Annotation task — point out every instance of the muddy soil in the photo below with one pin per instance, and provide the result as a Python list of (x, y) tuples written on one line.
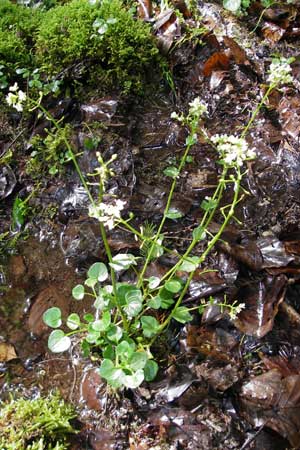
[(223, 384)]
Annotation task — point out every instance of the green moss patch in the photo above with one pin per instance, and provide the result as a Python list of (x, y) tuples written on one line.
[(102, 38), (39, 424)]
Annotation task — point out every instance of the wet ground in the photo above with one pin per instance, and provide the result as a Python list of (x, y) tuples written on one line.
[(223, 384)]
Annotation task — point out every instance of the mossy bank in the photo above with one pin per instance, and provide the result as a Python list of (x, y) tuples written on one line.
[(97, 43)]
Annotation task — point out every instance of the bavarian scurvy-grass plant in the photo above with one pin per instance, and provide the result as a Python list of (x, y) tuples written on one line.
[(126, 316)]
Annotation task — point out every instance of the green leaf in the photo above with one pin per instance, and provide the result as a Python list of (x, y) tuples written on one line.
[(155, 302), (199, 233), (232, 5), (138, 360), (174, 213), (86, 348), (189, 264), (103, 323), (52, 317), (173, 286), (98, 271), (134, 303), (124, 350), (109, 352), (135, 380), (150, 370), (171, 171), (114, 333), (92, 336), (182, 314), (88, 317), (150, 326), (166, 298), (191, 140), (208, 204), (90, 282), (73, 321), (78, 292), (106, 369), (153, 282), (122, 261), (58, 342), (18, 213)]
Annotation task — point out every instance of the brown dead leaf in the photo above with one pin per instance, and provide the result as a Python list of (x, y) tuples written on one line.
[(217, 61), (272, 33), (238, 53), (262, 299), (7, 352), (274, 401)]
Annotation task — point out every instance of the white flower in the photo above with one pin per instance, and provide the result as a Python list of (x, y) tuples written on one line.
[(235, 310), (197, 108), (107, 213), (14, 88), (280, 71), (232, 149), (16, 98)]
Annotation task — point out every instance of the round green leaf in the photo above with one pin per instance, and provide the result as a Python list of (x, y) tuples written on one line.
[(150, 326), (153, 282), (73, 321), (182, 314), (150, 370), (52, 317), (174, 213), (135, 380), (134, 303), (189, 264), (114, 333), (58, 342), (78, 292), (173, 286), (138, 360), (98, 271), (124, 350)]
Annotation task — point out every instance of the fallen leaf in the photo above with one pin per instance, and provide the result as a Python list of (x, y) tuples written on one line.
[(217, 61), (238, 53), (7, 352)]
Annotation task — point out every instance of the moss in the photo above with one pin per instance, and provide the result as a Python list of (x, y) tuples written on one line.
[(18, 26), (39, 424), (104, 38)]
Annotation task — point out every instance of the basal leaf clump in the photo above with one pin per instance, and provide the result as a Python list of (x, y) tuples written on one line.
[(110, 46), (42, 423)]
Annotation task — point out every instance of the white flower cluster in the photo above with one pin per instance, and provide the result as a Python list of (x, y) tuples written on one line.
[(197, 109), (280, 71), (235, 310), (233, 150), (16, 97), (107, 213)]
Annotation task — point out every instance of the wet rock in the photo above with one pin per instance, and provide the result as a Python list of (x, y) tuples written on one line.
[(100, 110), (93, 390), (7, 181), (102, 440), (17, 268), (47, 298)]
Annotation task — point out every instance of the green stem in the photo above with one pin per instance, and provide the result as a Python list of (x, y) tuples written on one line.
[(257, 109), (170, 196), (206, 252), (102, 228)]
